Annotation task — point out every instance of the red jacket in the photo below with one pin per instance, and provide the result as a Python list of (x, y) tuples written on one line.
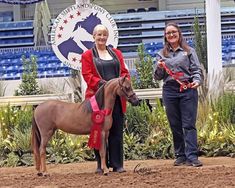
[(92, 77)]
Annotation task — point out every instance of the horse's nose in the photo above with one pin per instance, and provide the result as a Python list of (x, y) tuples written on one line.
[(134, 100), (135, 103)]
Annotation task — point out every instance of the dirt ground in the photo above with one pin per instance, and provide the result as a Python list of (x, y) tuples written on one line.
[(216, 172)]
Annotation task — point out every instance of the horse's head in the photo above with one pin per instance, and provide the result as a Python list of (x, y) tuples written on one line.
[(126, 90)]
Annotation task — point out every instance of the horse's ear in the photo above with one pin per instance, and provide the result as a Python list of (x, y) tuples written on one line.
[(124, 77)]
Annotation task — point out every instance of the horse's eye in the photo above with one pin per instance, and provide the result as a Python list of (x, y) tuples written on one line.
[(128, 88)]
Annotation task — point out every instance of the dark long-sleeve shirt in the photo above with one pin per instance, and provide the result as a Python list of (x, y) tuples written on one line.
[(179, 61)]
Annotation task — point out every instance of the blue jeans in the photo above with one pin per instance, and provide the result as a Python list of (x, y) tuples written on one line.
[(181, 110)]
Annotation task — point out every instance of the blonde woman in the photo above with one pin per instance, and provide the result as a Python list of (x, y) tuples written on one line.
[(100, 64)]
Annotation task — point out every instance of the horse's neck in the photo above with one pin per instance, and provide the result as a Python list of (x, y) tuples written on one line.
[(110, 94)]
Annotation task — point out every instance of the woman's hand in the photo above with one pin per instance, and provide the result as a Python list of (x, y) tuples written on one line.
[(101, 83), (160, 63), (194, 85)]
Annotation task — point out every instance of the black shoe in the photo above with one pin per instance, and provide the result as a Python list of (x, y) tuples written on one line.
[(119, 170), (98, 171), (180, 161), (194, 163)]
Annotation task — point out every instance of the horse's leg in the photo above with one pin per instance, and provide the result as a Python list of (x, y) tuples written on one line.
[(37, 162), (106, 144), (103, 153), (36, 141), (43, 158), (44, 142)]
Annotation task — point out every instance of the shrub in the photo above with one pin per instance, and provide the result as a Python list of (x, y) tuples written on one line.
[(67, 148), (29, 85), (143, 78), (137, 119)]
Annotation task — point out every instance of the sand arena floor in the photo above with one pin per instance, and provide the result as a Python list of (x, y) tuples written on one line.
[(216, 172)]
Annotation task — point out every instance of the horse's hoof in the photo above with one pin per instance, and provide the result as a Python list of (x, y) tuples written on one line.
[(99, 171), (106, 172), (45, 174), (40, 174)]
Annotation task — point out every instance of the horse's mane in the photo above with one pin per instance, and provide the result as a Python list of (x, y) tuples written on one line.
[(100, 93), (99, 96)]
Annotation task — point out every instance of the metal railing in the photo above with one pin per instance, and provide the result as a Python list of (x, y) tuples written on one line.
[(150, 94), (34, 99)]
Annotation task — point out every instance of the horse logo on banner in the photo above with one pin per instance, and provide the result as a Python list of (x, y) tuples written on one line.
[(71, 33)]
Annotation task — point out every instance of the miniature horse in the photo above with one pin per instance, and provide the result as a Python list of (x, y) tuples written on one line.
[(76, 118)]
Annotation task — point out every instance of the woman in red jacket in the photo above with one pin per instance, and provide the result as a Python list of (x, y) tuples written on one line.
[(101, 64)]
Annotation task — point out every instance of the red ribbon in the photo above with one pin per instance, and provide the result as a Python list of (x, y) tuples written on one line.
[(176, 76), (97, 118)]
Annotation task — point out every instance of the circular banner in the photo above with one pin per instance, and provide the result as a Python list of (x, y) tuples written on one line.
[(72, 30)]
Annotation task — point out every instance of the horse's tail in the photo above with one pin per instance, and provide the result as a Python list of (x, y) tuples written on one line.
[(36, 138)]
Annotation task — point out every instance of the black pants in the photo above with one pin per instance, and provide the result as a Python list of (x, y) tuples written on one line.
[(181, 110), (114, 157)]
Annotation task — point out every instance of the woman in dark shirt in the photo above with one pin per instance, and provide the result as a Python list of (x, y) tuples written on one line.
[(178, 66)]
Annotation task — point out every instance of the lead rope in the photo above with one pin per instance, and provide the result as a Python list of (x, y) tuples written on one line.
[(176, 76)]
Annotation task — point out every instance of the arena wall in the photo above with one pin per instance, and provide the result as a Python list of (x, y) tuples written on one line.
[(57, 85)]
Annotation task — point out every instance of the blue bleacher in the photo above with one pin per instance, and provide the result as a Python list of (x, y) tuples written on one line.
[(131, 10), (152, 9), (6, 16), (141, 10), (228, 49), (147, 26), (152, 48), (16, 34), (49, 65)]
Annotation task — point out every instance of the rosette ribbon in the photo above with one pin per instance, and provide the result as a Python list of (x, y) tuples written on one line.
[(97, 118)]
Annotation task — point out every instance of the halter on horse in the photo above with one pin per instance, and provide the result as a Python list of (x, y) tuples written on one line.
[(76, 118)]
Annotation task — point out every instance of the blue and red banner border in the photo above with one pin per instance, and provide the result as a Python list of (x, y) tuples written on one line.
[(20, 2)]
